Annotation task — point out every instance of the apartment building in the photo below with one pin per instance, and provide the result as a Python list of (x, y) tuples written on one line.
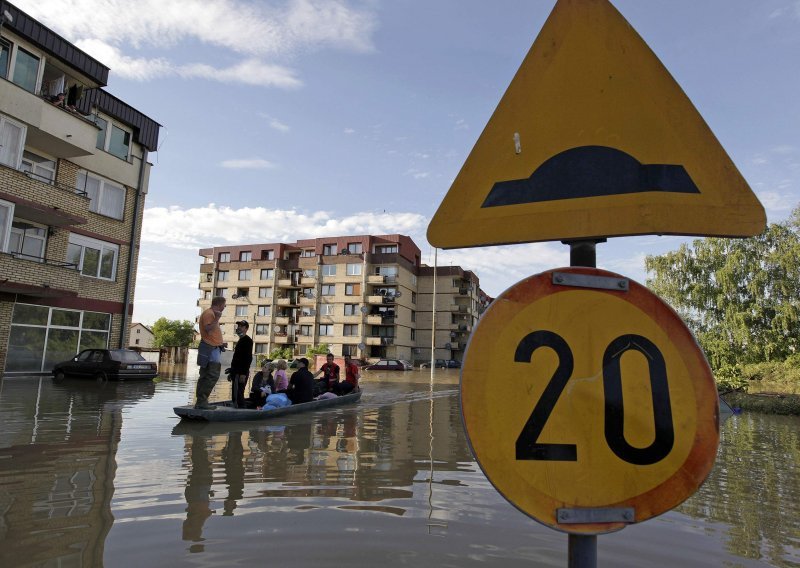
[(73, 179), (362, 295)]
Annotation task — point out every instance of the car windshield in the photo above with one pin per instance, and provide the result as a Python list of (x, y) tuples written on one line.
[(125, 356)]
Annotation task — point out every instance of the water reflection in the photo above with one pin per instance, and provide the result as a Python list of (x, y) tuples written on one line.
[(96, 474)]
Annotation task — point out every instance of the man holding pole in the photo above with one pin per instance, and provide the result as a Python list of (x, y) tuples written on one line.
[(208, 352)]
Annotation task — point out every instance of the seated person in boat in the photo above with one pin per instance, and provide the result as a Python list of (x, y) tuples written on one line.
[(281, 378), (330, 377), (351, 376), (263, 385), (301, 384)]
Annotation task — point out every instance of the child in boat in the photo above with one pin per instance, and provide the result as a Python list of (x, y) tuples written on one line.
[(263, 385), (281, 378)]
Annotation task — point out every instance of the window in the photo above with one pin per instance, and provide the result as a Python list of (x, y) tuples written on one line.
[(246, 256), (5, 50), (329, 270), (38, 167), (244, 274), (385, 249), (352, 289), (26, 69), (262, 329), (268, 254), (12, 139), (264, 310), (355, 248), (221, 292), (107, 198), (224, 257), (6, 216), (350, 329), (243, 292), (351, 309), (267, 273), (94, 258), (27, 239), (326, 309), (307, 252), (305, 330), (265, 292), (222, 275), (413, 279), (329, 289), (326, 329), (329, 250), (308, 293), (261, 347), (207, 295), (351, 350), (382, 331), (354, 269), (113, 140), (413, 334), (386, 270), (241, 311), (413, 316), (413, 297)]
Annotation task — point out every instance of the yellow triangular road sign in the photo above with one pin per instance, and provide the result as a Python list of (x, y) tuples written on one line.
[(594, 138)]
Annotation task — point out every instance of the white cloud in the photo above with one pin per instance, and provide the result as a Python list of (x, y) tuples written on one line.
[(247, 164), (274, 123), (349, 131), (111, 29)]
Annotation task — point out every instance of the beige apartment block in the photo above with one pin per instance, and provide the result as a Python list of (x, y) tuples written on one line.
[(73, 181), (367, 296)]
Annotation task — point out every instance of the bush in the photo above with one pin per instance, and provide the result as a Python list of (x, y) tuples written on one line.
[(730, 378)]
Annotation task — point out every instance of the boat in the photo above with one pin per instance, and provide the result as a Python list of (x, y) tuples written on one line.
[(224, 411)]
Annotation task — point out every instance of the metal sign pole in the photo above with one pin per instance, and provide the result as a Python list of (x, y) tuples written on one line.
[(582, 549)]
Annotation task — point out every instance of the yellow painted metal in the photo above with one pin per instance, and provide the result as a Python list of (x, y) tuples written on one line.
[(590, 80), (499, 394)]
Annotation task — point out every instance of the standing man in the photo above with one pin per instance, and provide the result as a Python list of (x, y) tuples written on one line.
[(351, 376), (301, 384), (330, 376), (208, 352), (240, 364)]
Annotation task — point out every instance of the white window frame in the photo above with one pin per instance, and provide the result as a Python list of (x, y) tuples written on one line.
[(329, 249), (104, 187), (354, 269), (88, 242), (5, 228), (23, 233), (355, 248), (244, 275), (20, 145), (325, 330), (264, 310), (110, 125), (267, 274), (326, 288), (224, 257), (245, 256), (36, 168), (326, 309), (329, 269), (241, 311), (265, 292), (223, 275)]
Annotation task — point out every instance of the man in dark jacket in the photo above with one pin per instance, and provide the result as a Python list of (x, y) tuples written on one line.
[(240, 364), (301, 384)]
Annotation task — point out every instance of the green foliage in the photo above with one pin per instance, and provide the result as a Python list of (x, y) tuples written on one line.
[(729, 378), (281, 353), (320, 349), (741, 297), (172, 333)]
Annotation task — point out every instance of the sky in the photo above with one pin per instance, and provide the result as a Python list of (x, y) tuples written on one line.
[(293, 119)]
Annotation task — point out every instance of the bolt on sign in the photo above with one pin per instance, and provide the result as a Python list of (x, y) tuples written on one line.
[(587, 401), (593, 138)]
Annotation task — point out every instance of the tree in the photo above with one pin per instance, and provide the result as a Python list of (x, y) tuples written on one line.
[(320, 349), (281, 353), (172, 333), (741, 297)]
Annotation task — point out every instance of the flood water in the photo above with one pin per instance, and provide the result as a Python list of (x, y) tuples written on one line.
[(105, 475)]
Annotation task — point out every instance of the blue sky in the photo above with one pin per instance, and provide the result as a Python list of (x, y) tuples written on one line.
[(309, 118)]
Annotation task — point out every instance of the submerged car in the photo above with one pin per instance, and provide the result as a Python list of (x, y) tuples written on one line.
[(439, 364), (106, 364), (389, 365)]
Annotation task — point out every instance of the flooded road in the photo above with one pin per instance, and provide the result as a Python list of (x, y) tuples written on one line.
[(105, 475)]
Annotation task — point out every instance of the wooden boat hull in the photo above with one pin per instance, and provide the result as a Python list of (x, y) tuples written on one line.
[(224, 412)]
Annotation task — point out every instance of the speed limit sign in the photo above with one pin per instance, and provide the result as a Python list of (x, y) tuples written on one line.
[(587, 401)]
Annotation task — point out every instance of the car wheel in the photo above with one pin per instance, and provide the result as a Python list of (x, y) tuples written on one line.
[(58, 375), (100, 377)]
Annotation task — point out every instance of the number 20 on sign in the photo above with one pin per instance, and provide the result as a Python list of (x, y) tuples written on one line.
[(587, 401)]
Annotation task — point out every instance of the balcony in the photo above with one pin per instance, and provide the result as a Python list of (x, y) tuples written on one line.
[(374, 320), (307, 301), (49, 204), (56, 131), (372, 340), (286, 301), (300, 338), (284, 283), (42, 278), (376, 300), (282, 320), (376, 279), (308, 281), (282, 339), (464, 327), (206, 286), (387, 340)]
